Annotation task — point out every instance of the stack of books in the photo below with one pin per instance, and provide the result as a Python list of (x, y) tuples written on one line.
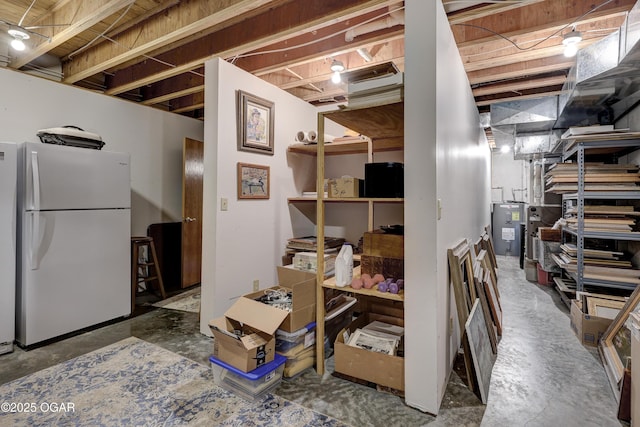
[(309, 244)]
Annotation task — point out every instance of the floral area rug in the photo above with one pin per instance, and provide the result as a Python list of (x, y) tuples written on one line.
[(186, 301), (135, 383)]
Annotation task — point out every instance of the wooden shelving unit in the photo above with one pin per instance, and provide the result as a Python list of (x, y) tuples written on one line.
[(384, 126)]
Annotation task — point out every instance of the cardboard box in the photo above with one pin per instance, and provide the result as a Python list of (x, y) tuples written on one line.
[(308, 261), (344, 187), (258, 323), (589, 329), (303, 288), (388, 267), (379, 243), (548, 234), (378, 368)]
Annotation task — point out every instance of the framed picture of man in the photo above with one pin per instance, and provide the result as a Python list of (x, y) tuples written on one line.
[(255, 123)]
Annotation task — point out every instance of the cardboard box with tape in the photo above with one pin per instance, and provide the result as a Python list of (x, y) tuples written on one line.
[(244, 336)]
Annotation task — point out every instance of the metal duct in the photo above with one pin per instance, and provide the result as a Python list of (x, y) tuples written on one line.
[(524, 125), (535, 145), (604, 84)]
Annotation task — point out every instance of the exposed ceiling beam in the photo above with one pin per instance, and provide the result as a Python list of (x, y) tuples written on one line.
[(486, 10), (319, 70), (521, 56), (534, 17), (143, 17), (79, 14), (518, 86), (520, 69), (541, 37), (255, 33), (174, 87), (517, 98), (188, 103), (188, 18)]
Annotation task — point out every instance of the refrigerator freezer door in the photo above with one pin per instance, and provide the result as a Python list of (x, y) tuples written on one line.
[(8, 166), (80, 275), (55, 177)]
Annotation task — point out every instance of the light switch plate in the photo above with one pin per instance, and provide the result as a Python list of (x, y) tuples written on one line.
[(224, 204)]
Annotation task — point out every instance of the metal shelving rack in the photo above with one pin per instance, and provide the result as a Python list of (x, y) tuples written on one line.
[(615, 144)]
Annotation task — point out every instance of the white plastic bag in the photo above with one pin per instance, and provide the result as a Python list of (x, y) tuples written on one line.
[(344, 266)]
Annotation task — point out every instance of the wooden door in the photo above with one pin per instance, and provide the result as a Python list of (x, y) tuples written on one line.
[(192, 172)]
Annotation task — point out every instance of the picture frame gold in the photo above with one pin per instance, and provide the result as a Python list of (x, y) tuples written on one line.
[(253, 181), (255, 121), (615, 345), (461, 273), (603, 307)]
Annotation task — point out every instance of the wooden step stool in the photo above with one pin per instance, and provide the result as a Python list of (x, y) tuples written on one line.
[(145, 272)]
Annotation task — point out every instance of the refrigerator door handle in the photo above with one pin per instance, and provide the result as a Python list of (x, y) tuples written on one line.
[(35, 237), (35, 180)]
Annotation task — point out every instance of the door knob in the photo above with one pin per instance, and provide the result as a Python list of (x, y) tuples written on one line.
[(189, 219)]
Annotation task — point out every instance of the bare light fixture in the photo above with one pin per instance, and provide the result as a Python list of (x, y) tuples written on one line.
[(570, 42), (336, 67), (18, 39)]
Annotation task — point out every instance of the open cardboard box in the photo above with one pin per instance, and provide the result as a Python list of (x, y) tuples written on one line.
[(302, 285), (589, 329), (258, 323), (378, 368)]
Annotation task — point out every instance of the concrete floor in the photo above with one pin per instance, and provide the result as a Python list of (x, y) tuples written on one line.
[(543, 376)]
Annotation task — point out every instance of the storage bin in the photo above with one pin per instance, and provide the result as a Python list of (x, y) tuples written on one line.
[(544, 277), (531, 270), (285, 341), (248, 385)]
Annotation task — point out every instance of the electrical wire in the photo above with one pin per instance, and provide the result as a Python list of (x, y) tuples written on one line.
[(546, 38), (26, 12), (86, 46), (284, 49)]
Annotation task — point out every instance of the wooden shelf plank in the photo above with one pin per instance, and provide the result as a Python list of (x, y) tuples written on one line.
[(350, 147), (376, 122), (331, 284), (348, 200)]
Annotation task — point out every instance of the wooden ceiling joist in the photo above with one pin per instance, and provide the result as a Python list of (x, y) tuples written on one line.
[(534, 17), (519, 86), (253, 33), (466, 15), (482, 103), (189, 18), (520, 69), (173, 88), (79, 14)]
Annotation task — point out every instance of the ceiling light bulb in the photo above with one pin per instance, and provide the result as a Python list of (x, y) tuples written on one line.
[(570, 50), (18, 36), (335, 77), (337, 66), (572, 38), (505, 149), (18, 44)]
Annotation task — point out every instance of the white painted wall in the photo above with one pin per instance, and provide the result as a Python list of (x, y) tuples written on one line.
[(509, 178), (153, 138), (246, 242), (447, 158)]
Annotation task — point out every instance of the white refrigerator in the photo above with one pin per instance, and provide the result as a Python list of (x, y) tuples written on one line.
[(8, 174), (74, 240)]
